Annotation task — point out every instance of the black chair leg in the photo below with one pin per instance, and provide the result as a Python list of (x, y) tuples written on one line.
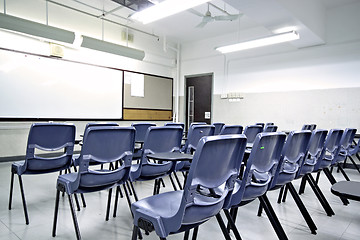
[(23, 200), (302, 208), (76, 225), (260, 210), (134, 233), (285, 194), (83, 200), (186, 235), (77, 202), (195, 232), (128, 199), (317, 177), (133, 190), (223, 227), (333, 181), (272, 217), (11, 189), (172, 182), (354, 163), (281, 192), (178, 181), (343, 173), (116, 200), (127, 185), (108, 205), (232, 224), (320, 196), (56, 212), (302, 185)]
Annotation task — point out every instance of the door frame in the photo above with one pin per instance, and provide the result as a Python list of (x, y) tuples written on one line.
[(185, 94)]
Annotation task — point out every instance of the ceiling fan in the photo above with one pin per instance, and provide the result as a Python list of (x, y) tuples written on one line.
[(207, 18)]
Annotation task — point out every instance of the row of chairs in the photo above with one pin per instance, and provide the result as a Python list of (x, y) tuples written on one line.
[(101, 145), (272, 164)]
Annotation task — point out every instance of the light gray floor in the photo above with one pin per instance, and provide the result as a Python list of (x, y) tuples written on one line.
[(40, 196)]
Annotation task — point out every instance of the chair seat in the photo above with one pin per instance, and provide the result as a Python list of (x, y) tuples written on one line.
[(38, 168), (166, 205)]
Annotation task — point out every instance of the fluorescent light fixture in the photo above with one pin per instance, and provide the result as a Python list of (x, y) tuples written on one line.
[(113, 48), (35, 29), (274, 39), (165, 9)]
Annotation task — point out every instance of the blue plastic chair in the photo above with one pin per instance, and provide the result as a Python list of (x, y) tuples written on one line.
[(328, 156), (270, 128), (231, 129), (172, 124), (91, 124), (354, 150), (310, 127), (345, 143), (218, 126), (141, 130), (196, 132), (255, 179), (47, 137), (105, 145), (292, 159), (157, 140), (251, 131), (205, 192)]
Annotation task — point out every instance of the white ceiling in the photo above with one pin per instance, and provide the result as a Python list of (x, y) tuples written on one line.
[(306, 15)]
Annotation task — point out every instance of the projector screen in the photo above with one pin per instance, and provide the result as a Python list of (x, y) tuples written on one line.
[(49, 88)]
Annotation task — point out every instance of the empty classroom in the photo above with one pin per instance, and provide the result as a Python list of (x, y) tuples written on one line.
[(180, 119)]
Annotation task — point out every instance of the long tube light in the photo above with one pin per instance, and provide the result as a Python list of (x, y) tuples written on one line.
[(274, 39), (113, 48), (165, 9), (36, 29)]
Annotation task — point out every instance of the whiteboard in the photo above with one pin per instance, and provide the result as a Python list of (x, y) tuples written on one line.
[(42, 87)]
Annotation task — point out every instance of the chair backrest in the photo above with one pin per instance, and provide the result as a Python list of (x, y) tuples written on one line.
[(260, 124), (141, 129), (260, 167), (316, 145), (100, 124), (215, 165), (270, 128), (347, 138), (196, 132), (231, 129), (171, 124), (161, 139), (330, 150), (310, 127), (251, 131), (292, 157), (105, 144), (218, 127), (49, 137)]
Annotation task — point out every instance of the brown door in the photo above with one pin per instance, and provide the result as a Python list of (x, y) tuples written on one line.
[(198, 98)]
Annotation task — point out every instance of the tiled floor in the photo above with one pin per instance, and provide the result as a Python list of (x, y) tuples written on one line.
[(40, 196)]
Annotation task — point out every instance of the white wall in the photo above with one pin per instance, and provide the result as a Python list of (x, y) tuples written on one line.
[(318, 84), (13, 135)]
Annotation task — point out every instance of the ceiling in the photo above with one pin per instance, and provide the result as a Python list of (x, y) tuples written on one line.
[(307, 16)]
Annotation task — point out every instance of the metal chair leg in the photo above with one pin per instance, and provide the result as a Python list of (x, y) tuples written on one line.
[(11, 189), (320, 196), (108, 205), (232, 224), (172, 182), (343, 173), (354, 163), (56, 213), (280, 194), (223, 227), (133, 190), (285, 194), (272, 217), (195, 232), (76, 225), (134, 233), (116, 200), (23, 200), (178, 181), (186, 235), (302, 208)]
